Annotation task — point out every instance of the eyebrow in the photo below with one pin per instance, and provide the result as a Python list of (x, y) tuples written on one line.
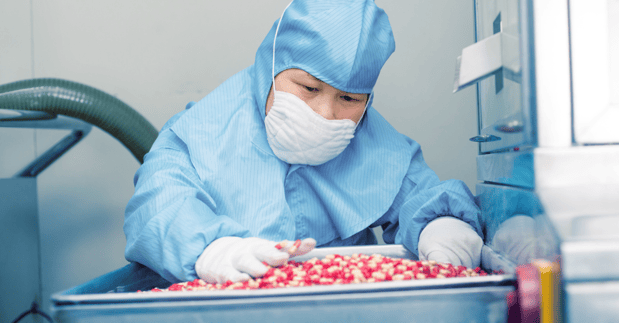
[(313, 77)]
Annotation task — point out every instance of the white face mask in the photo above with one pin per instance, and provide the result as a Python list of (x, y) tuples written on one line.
[(299, 135)]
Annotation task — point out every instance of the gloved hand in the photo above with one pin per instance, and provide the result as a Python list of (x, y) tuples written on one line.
[(236, 259), (450, 240), (516, 239)]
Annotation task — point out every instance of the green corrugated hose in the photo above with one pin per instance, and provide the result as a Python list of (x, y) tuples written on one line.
[(85, 103)]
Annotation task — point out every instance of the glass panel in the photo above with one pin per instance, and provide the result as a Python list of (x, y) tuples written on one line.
[(613, 31), (500, 95), (594, 32)]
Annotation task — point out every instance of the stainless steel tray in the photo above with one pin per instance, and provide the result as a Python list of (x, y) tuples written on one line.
[(119, 294), (112, 296)]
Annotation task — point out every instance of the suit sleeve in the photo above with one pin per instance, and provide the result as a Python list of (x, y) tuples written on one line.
[(171, 218), (423, 198)]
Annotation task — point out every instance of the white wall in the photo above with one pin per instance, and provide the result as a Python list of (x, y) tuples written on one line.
[(414, 91), (16, 145), (158, 55)]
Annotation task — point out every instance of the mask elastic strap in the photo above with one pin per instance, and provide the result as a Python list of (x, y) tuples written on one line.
[(365, 109), (274, 40)]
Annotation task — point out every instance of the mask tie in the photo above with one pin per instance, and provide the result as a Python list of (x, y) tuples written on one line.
[(274, 40)]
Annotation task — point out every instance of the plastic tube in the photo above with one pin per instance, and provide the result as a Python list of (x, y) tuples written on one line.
[(85, 103)]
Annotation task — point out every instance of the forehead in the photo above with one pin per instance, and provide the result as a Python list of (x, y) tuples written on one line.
[(298, 73)]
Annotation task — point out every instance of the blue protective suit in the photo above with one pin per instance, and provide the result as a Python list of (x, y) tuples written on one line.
[(211, 172)]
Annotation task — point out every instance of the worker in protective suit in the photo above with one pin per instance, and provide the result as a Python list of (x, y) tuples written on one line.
[(292, 148)]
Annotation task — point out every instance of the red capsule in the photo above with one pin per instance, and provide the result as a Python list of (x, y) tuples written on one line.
[(195, 283), (175, 287), (294, 247), (281, 244)]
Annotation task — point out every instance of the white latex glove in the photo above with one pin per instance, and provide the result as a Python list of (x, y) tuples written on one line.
[(516, 239), (450, 240), (236, 259)]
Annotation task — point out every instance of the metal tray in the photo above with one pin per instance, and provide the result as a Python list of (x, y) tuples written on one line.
[(112, 297)]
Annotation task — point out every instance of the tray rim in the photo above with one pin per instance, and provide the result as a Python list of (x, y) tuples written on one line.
[(64, 299)]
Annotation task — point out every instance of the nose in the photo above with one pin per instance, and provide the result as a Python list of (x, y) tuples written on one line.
[(326, 108)]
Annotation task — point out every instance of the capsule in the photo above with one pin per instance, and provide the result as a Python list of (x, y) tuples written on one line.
[(335, 270), (294, 247)]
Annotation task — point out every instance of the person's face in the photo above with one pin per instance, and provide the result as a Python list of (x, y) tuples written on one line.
[(324, 99)]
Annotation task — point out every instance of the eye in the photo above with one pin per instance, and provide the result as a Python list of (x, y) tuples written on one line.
[(311, 89), (349, 98)]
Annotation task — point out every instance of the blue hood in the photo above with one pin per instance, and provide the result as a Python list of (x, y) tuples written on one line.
[(343, 43)]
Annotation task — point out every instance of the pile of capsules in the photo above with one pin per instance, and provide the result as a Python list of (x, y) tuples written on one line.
[(337, 269)]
